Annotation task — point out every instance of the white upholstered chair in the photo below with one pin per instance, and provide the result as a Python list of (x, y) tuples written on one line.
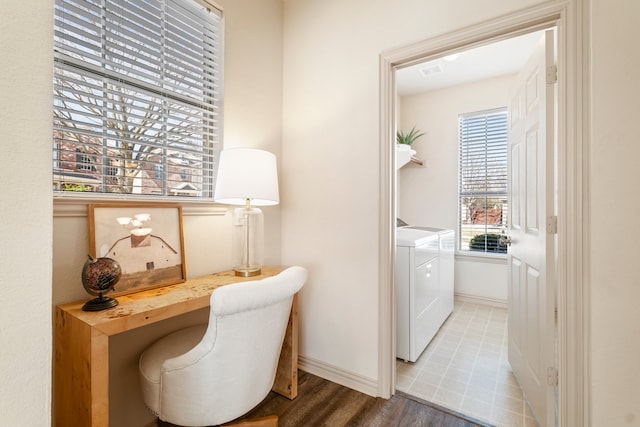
[(214, 373)]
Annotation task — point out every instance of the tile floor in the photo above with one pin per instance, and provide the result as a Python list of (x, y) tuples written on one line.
[(465, 368)]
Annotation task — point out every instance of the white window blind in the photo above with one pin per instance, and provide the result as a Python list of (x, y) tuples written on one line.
[(138, 91), (483, 180)]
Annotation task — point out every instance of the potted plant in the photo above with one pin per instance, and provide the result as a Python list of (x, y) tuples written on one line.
[(408, 138)]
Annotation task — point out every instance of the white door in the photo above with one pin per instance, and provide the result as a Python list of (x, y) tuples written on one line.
[(531, 256)]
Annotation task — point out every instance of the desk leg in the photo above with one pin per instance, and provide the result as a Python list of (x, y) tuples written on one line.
[(81, 373), (99, 379), (286, 383)]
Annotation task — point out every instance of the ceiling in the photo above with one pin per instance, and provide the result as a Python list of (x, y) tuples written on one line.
[(495, 59)]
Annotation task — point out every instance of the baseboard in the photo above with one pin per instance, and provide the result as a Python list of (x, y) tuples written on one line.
[(474, 299), (337, 375)]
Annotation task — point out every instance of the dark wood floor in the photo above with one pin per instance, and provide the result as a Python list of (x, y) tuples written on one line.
[(323, 403)]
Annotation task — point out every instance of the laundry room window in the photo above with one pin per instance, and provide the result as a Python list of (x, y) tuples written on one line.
[(483, 181), (137, 91)]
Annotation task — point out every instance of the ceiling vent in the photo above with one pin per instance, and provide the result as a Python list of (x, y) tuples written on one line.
[(431, 70)]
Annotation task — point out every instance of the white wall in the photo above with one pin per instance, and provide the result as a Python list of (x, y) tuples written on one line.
[(614, 205), (26, 76), (481, 280), (428, 195), (331, 162), (253, 118)]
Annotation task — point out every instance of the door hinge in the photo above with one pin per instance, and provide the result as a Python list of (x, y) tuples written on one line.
[(552, 74), (552, 224), (552, 376)]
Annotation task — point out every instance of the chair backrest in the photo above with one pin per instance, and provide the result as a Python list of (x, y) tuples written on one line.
[(233, 367)]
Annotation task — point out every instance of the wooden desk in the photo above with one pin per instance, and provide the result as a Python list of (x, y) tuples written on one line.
[(81, 364)]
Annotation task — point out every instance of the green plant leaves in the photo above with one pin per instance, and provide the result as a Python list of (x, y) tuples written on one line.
[(408, 138)]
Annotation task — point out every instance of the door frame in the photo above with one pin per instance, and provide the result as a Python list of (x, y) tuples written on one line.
[(571, 19)]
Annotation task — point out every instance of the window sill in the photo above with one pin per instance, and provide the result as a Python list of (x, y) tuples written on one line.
[(481, 257), (74, 206)]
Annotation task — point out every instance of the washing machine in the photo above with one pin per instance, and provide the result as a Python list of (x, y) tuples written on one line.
[(424, 286)]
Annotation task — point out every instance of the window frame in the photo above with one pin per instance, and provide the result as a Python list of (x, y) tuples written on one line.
[(489, 199), (169, 152)]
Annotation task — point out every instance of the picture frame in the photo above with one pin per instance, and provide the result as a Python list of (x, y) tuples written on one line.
[(146, 239)]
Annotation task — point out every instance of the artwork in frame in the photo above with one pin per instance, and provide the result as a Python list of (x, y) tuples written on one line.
[(145, 239)]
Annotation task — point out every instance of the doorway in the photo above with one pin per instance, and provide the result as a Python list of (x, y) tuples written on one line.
[(436, 85), (574, 91)]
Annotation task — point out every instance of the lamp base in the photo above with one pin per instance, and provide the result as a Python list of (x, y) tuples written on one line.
[(239, 272)]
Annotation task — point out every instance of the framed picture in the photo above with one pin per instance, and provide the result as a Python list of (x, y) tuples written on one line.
[(145, 239)]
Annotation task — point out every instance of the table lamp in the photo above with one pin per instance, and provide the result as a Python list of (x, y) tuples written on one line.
[(247, 177)]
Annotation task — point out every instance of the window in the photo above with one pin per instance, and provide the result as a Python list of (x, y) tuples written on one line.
[(483, 192), (137, 90), (83, 162), (159, 170)]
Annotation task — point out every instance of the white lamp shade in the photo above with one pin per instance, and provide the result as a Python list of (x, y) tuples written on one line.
[(247, 173)]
